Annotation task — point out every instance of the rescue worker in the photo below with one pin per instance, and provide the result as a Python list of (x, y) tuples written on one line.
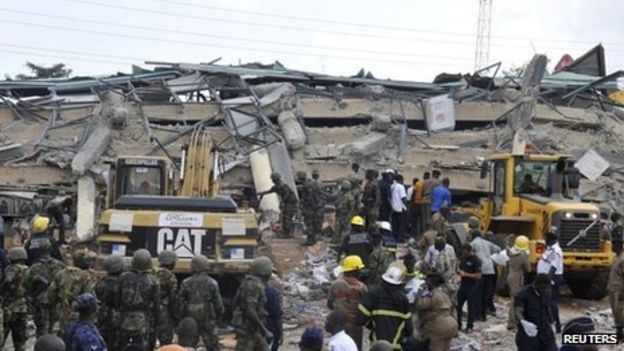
[(385, 309), (415, 194), (484, 249), (288, 203), (84, 335), (274, 315), (379, 259), (371, 197), (434, 307), (40, 233), (357, 242), (441, 259), (615, 286), (470, 273), (70, 283), (39, 277), (533, 309), (551, 264), (318, 208), (199, 299), (356, 192), (108, 293), (168, 290), (140, 297), (517, 269), (430, 184), (345, 209), (311, 204), (346, 293), (14, 304), (249, 318)]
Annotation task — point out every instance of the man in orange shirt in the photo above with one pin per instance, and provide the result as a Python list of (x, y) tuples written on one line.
[(418, 218)]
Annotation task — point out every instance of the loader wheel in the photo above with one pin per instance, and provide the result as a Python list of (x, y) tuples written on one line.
[(594, 288)]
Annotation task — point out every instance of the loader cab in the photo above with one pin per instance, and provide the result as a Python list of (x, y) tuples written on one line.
[(149, 176)]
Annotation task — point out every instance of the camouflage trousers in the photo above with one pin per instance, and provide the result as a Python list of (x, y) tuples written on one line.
[(342, 226), (109, 325), (371, 215), (166, 324), (44, 316), (209, 336), (314, 223), (66, 319), (16, 324), (286, 218), (250, 342)]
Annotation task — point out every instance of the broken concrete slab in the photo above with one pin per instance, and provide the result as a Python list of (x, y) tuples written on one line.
[(93, 148), (368, 145), (281, 163), (10, 151)]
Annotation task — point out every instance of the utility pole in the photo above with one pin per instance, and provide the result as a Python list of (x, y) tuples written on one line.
[(482, 51)]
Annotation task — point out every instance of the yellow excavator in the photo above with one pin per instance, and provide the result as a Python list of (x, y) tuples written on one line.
[(156, 204), (529, 195)]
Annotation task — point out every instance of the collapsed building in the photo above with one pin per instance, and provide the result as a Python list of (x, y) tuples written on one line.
[(59, 136)]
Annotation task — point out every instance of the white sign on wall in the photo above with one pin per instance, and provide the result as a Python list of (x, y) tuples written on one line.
[(592, 165), (440, 113), (181, 220)]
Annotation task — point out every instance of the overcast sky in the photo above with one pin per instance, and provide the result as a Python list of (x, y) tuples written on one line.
[(409, 39)]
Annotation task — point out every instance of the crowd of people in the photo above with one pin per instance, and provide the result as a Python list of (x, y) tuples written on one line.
[(399, 278)]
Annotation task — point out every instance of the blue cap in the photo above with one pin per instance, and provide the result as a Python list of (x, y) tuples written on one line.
[(86, 301), (312, 338)]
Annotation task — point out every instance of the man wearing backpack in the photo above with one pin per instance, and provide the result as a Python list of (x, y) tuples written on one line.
[(168, 289), (199, 299), (140, 302), (38, 279), (108, 293), (70, 283)]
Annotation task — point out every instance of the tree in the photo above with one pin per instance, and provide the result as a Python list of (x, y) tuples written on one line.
[(41, 72)]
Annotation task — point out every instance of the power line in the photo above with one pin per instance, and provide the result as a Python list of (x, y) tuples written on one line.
[(370, 25), (206, 34), (307, 29), (130, 36), (62, 57), (73, 52)]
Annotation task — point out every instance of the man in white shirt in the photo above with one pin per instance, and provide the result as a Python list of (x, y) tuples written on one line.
[(484, 249), (339, 340), (551, 263), (398, 201)]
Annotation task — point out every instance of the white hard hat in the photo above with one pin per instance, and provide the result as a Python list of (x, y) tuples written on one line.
[(393, 275), (390, 170), (385, 225)]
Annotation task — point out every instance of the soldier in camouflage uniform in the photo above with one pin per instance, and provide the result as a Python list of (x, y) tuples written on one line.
[(345, 209), (311, 204), (249, 317), (140, 297), (70, 283), (441, 259), (168, 290), (39, 277), (379, 260), (356, 191), (371, 198), (199, 299), (14, 303), (108, 292), (288, 203)]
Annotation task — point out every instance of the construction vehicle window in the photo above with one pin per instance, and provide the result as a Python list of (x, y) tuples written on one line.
[(143, 181), (531, 177)]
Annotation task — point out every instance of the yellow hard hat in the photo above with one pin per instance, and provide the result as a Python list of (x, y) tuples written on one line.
[(521, 243), (352, 263), (357, 220), (40, 224)]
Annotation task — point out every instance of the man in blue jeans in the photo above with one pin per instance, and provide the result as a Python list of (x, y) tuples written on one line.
[(551, 264)]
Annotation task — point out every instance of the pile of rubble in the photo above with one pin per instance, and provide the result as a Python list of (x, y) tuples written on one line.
[(53, 133)]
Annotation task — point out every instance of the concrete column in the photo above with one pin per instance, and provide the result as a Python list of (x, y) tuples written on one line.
[(85, 220)]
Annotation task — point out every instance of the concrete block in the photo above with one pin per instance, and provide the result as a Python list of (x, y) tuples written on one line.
[(291, 130), (93, 148), (368, 145)]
